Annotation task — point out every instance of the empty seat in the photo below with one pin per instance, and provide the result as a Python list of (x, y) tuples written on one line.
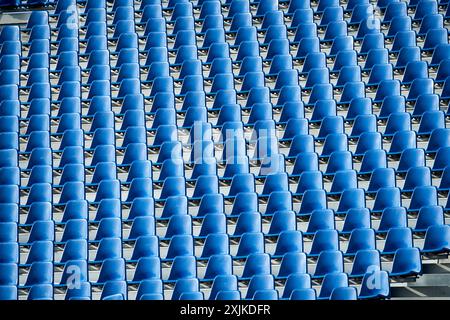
[(372, 292), (238, 146)]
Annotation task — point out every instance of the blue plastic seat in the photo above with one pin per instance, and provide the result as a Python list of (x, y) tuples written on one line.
[(40, 273), (344, 58), (228, 295), (266, 295), (406, 56), (74, 209), (81, 293), (292, 263), (397, 121), (147, 268), (397, 238), (139, 207), (434, 37), (440, 161), (332, 281), (245, 201), (222, 50), (256, 264), (339, 160), (183, 267), (423, 196), (301, 143), (322, 109), (411, 158), (407, 262), (303, 294), (296, 281), (212, 21), (148, 287), (10, 212), (9, 194), (436, 239), (313, 200), (40, 251), (403, 140), (142, 226), (223, 283), (344, 293), (250, 243), (361, 239), (11, 176), (307, 161), (369, 291), (9, 33), (275, 182), (282, 221), (416, 177), (324, 240), (365, 261), (373, 158), (10, 252), (42, 231), (9, 275), (371, 40), (392, 217), (329, 262), (444, 185), (343, 180), (356, 218), (75, 249), (240, 20), (331, 113), (112, 270), (109, 248), (114, 290), (426, 102), (251, 64), (321, 220), (399, 24), (108, 228), (438, 139), (309, 180), (358, 105), (178, 224), (431, 120), (272, 17), (425, 7), (259, 282), (298, 5), (215, 243), (248, 222), (431, 21), (213, 223), (386, 197), (41, 292), (150, 11), (351, 198), (145, 246)]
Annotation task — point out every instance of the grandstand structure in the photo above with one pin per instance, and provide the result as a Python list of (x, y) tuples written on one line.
[(224, 149)]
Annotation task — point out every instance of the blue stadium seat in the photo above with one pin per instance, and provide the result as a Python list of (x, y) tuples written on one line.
[(162, 137), (365, 260), (406, 262), (329, 262)]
